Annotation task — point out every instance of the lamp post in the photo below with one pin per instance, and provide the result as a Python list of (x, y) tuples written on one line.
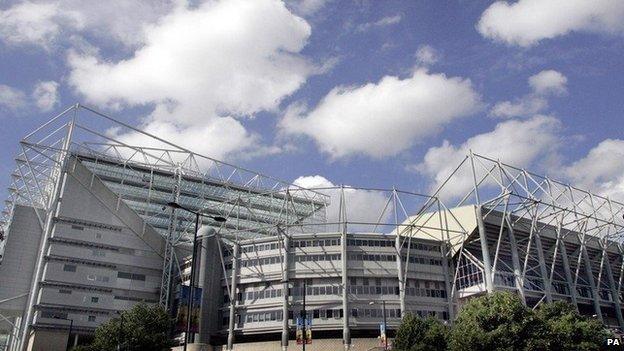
[(71, 326), (385, 328), (189, 302)]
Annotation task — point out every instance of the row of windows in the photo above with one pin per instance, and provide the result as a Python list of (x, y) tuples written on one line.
[(391, 243), (373, 290), (132, 276), (315, 243), (392, 258), (375, 313), (259, 261), (262, 316), (317, 258), (426, 292), (334, 242), (61, 315)]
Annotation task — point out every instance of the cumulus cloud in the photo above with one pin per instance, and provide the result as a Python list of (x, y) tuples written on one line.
[(45, 23), (366, 206), (307, 7), (521, 143), (427, 55), (543, 85), (383, 22), (384, 118), (548, 82), (11, 98), (526, 22), (601, 170), (203, 67), (46, 95)]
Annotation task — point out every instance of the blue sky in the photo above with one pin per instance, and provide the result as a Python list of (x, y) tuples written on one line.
[(366, 93)]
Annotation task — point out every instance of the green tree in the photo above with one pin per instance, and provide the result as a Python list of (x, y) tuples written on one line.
[(145, 328), (569, 330), (416, 334), (498, 321)]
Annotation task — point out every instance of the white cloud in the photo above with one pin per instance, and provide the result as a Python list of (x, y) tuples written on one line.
[(383, 22), (307, 7), (527, 105), (548, 82), (526, 22), (384, 118), (45, 23), (202, 66), (366, 206), (543, 84), (601, 170), (427, 55), (218, 138), (11, 98), (521, 143), (46, 95)]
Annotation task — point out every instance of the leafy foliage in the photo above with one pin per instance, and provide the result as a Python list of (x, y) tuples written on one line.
[(417, 334), (500, 321), (144, 328)]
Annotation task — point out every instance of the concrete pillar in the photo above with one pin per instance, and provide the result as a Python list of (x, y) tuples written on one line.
[(485, 252), (346, 332), (208, 283), (400, 269), (515, 259), (447, 280), (285, 286), (233, 296)]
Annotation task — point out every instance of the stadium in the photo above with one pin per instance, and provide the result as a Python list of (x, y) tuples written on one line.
[(94, 225)]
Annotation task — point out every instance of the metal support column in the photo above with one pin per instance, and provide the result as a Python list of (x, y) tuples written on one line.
[(447, 281), (542, 266), (590, 278), (485, 252), (233, 296), (566, 268), (515, 258), (614, 294), (285, 286), (346, 332)]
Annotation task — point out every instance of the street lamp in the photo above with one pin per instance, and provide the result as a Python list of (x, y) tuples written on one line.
[(189, 302), (385, 329), (71, 325)]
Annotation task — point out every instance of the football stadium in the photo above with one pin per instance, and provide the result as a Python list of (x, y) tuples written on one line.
[(94, 224)]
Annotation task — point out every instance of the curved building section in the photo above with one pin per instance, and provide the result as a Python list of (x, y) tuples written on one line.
[(263, 300)]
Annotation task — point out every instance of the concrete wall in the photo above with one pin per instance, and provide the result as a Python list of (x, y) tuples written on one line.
[(17, 266)]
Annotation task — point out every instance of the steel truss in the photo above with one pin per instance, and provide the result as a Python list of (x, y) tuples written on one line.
[(245, 197), (538, 236)]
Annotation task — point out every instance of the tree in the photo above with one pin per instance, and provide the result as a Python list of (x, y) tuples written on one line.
[(416, 334), (498, 321), (569, 330), (145, 328)]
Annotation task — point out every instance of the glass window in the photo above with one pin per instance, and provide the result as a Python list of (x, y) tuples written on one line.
[(69, 268), (95, 299), (91, 318)]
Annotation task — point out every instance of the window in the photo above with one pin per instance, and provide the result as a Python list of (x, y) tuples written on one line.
[(69, 268), (95, 299), (330, 313), (77, 227), (64, 291), (124, 275), (354, 312), (91, 318)]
